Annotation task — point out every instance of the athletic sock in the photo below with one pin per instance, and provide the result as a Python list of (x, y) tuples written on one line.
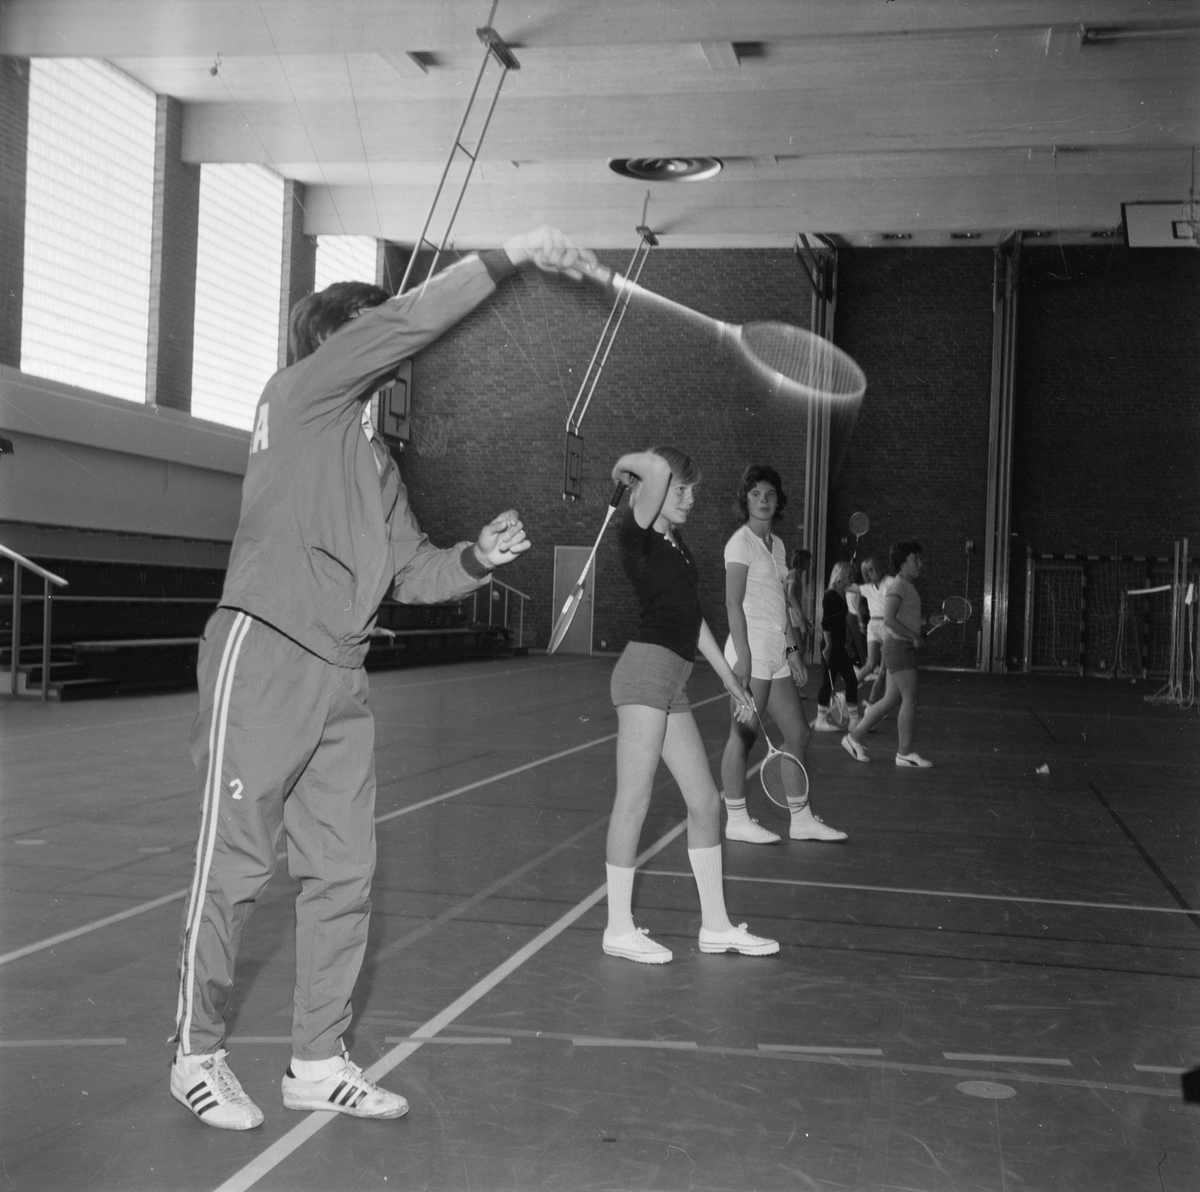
[(620, 899), (706, 865), (736, 809)]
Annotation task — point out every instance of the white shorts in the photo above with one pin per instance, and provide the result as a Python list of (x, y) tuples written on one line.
[(875, 631), (768, 657)]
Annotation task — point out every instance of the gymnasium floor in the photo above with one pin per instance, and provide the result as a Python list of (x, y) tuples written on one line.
[(991, 986)]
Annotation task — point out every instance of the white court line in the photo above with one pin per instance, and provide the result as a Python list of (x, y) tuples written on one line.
[(1156, 1068), (979, 1058), (820, 1050), (541, 761), (451, 1039), (93, 926), (785, 881), (668, 1044), (65, 1042), (298, 1135)]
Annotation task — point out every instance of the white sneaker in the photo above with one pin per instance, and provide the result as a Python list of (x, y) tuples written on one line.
[(345, 1090), (913, 759), (737, 939), (749, 831), (822, 724), (210, 1090), (855, 750), (637, 945), (806, 826)]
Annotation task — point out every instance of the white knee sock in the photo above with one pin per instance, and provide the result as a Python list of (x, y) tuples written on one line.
[(706, 865), (620, 899), (736, 809)]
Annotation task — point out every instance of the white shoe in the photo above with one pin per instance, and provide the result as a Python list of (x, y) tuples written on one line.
[(855, 750), (913, 759), (210, 1090), (737, 939), (806, 826), (749, 831), (822, 724), (343, 1089), (637, 945)]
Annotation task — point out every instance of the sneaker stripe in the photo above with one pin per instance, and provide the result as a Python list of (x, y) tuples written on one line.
[(208, 826)]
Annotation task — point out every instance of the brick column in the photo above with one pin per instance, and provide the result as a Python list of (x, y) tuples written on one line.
[(172, 264), (299, 261), (14, 134)]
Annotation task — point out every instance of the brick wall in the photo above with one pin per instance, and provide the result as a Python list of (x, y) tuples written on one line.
[(920, 324), (508, 375), (14, 120)]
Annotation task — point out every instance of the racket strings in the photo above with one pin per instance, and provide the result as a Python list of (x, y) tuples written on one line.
[(956, 609), (805, 360), (785, 782)]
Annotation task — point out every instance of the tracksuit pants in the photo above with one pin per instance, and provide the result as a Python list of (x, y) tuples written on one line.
[(284, 746)]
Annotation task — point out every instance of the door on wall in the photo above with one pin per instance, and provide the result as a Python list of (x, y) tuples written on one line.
[(568, 563)]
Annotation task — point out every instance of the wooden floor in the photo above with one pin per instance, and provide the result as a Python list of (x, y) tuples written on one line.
[(993, 985)]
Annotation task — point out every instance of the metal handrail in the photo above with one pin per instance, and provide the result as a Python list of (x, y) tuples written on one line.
[(509, 590), (48, 578)]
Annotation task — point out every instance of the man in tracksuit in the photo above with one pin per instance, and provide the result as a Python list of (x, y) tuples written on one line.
[(284, 740)]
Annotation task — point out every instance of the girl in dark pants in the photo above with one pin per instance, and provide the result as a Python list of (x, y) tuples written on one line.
[(837, 660)]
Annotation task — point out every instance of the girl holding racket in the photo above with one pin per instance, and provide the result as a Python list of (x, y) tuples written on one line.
[(874, 590), (834, 613), (764, 654), (902, 626), (653, 715)]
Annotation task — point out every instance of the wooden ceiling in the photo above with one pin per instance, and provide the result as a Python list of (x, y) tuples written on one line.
[(929, 122)]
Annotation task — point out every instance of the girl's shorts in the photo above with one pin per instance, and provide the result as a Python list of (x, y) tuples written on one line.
[(875, 630), (768, 659), (652, 676), (899, 654)]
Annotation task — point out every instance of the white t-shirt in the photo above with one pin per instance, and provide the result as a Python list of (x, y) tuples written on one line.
[(765, 604), (876, 596)]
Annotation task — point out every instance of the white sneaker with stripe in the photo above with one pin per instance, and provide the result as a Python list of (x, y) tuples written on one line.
[(210, 1090), (343, 1089)]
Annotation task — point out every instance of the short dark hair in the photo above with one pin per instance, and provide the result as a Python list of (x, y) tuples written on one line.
[(801, 558), (317, 316), (752, 476), (901, 550)]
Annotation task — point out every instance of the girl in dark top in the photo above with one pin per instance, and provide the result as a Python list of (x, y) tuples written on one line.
[(654, 718), (837, 661)]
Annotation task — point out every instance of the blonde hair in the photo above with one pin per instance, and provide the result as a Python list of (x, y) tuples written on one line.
[(841, 571), (683, 467)]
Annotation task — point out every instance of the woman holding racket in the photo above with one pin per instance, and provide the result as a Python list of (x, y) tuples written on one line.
[(653, 715), (763, 652), (874, 590), (834, 614), (902, 626)]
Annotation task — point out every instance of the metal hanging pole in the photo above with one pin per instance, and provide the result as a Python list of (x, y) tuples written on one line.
[(573, 468), (495, 50)]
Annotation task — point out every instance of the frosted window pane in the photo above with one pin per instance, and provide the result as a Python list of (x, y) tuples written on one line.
[(89, 206), (345, 258), (239, 261)]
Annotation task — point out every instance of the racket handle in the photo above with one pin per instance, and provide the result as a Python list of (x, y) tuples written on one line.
[(618, 493)]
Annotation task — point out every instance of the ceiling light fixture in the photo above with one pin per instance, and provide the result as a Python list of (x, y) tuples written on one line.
[(666, 169)]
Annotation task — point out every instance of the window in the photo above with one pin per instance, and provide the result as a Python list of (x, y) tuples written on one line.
[(239, 259), (89, 206)]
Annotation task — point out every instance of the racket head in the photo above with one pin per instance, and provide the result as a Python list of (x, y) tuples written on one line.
[(800, 363), (956, 609), (860, 523), (784, 782), (564, 619)]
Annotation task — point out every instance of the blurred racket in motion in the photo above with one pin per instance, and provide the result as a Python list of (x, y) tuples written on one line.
[(955, 611), (794, 360), (784, 780), (568, 609), (860, 523)]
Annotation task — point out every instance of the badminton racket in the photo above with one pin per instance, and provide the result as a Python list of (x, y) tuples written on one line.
[(568, 610), (955, 611), (794, 360), (784, 780), (860, 523)]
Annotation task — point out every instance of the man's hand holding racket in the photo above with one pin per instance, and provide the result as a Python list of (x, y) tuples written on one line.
[(501, 540)]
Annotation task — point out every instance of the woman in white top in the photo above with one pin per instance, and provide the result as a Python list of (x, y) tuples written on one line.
[(903, 641), (874, 590), (763, 653)]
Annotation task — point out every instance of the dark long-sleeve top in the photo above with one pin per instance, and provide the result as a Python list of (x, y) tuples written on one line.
[(666, 582)]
